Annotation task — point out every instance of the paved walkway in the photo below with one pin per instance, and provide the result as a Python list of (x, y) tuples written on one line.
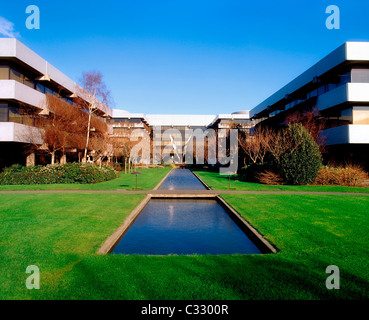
[(182, 192)]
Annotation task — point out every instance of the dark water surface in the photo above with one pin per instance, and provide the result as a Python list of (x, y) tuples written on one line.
[(178, 226), (182, 179)]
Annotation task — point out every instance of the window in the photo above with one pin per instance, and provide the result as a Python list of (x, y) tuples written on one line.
[(67, 100), (332, 86), (29, 83), (346, 115), (321, 90), (3, 112), (49, 91), (313, 93), (17, 76), (40, 87), (4, 73), (14, 115), (360, 75), (345, 78)]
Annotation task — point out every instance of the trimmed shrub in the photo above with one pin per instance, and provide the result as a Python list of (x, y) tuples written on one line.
[(350, 176), (56, 174), (300, 164)]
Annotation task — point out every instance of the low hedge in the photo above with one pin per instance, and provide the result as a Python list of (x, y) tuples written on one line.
[(350, 176), (56, 174)]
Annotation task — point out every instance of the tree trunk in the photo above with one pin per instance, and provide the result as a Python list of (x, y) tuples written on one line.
[(125, 165), (88, 133), (53, 157)]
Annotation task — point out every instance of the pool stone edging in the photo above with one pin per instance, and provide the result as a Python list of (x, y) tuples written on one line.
[(162, 180), (113, 240), (250, 231)]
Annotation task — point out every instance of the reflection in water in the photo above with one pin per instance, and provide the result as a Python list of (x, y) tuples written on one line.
[(182, 179), (171, 213), (184, 227)]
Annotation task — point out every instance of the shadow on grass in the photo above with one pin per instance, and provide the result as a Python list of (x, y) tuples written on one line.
[(205, 277)]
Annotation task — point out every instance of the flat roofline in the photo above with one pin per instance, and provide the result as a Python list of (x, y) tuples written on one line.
[(349, 51), (12, 48), (179, 119)]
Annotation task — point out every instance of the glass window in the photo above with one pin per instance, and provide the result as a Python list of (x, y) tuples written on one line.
[(4, 73), (321, 90), (346, 115), (3, 112), (313, 93), (14, 115), (360, 75), (40, 87), (332, 86), (49, 91), (29, 83), (345, 78), (27, 119), (15, 75)]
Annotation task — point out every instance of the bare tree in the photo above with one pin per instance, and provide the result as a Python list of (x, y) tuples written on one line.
[(126, 148), (255, 146), (58, 129), (279, 142), (94, 96), (265, 140), (101, 148)]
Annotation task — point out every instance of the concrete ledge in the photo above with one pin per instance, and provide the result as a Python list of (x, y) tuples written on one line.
[(205, 185), (162, 180), (182, 196), (111, 242), (263, 245)]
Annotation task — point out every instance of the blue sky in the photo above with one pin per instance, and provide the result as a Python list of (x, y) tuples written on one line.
[(200, 57)]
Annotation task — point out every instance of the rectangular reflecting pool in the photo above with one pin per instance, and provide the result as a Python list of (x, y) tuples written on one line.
[(182, 179), (184, 226)]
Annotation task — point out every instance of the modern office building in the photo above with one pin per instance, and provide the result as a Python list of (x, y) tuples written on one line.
[(168, 130), (336, 89), (26, 78)]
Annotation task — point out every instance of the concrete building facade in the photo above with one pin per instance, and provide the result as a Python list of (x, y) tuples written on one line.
[(337, 90), (26, 79), (337, 87)]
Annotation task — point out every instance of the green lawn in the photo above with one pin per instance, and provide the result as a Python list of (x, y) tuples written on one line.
[(60, 233), (220, 182), (146, 181)]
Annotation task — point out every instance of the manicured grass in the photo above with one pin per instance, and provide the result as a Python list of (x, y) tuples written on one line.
[(220, 182), (60, 233), (146, 181)]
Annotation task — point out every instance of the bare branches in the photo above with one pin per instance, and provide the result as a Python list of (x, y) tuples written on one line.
[(280, 142), (95, 97), (58, 127), (266, 140), (256, 146)]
